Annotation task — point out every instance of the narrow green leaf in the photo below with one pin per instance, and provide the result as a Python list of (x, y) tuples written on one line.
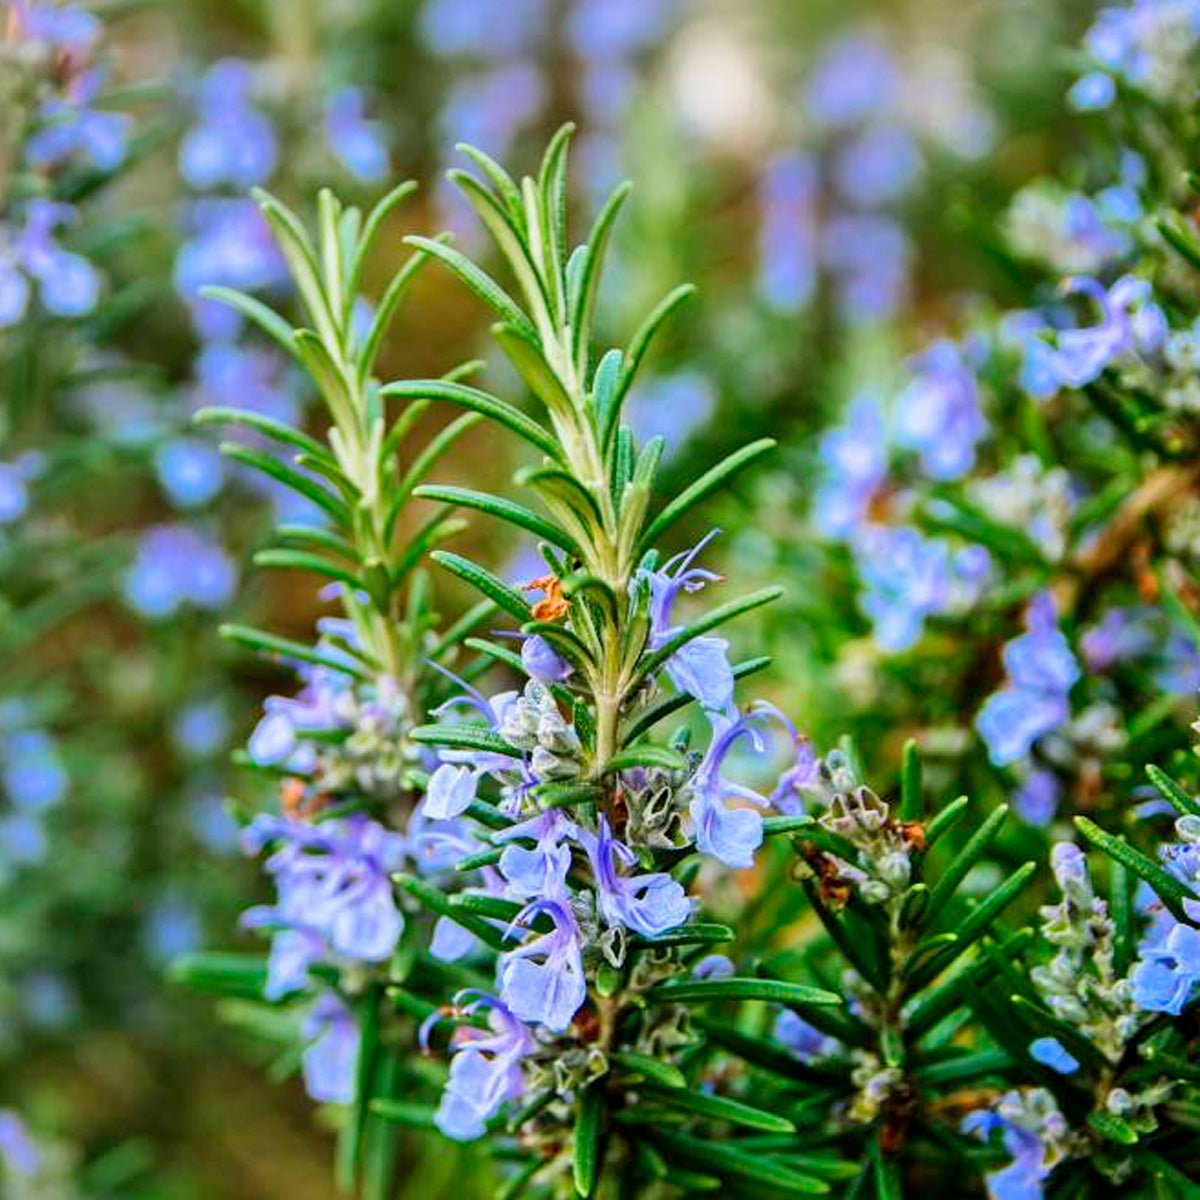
[(1170, 890), (482, 284), (977, 845), (646, 333), (589, 284), (774, 991), (502, 509), (665, 1074), (240, 975), (286, 649), (719, 1108), (404, 1112), (703, 933), (500, 179), (644, 756), (494, 589), (586, 1139), (912, 802), (269, 321), (439, 903), (216, 415), (306, 487), (708, 483), (463, 737), (1112, 1128), (375, 219), (300, 560), (886, 1172), (480, 402), (1186, 805), (606, 397), (726, 1160), (945, 820)]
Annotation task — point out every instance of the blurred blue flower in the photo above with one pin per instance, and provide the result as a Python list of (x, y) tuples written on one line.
[(854, 80), (15, 478), (1092, 92), (879, 165), (672, 406), (1051, 1053), (232, 143), (1036, 800), (202, 729), (33, 772), (212, 823), (172, 928), (489, 110), (71, 128), (868, 255), (23, 840), (482, 28), (788, 253), (191, 471), (68, 285), (939, 414), (18, 1151), (486, 1070), (177, 566), (1041, 672), (854, 456), (802, 1039), (1130, 322), (358, 143), (330, 1061)]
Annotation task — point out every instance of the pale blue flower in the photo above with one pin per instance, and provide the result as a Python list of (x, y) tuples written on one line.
[(330, 1061), (1051, 1053)]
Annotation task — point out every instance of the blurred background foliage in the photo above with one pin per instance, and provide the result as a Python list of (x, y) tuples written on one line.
[(832, 176)]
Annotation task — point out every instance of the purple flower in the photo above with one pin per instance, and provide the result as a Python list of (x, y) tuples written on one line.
[(714, 966), (472, 28), (358, 143), (1130, 323), (191, 471), (1036, 800), (701, 667), (542, 870), (855, 460), (335, 896), (486, 1070), (1121, 634), (542, 980), (646, 904), (788, 253), (1051, 1053), (1167, 972), (1041, 671), (68, 284), (729, 834), (70, 127), (855, 79), (18, 1152), (330, 1059), (938, 414), (868, 254), (879, 165), (176, 566), (906, 578), (1026, 332), (15, 478), (541, 661), (232, 142), (805, 1042)]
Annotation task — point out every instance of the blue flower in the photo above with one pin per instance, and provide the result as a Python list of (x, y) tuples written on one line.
[(729, 834), (788, 253), (700, 668), (868, 255), (906, 578), (855, 461), (1032, 1129), (1167, 973), (880, 165), (855, 79), (191, 471), (15, 478), (1036, 800), (649, 905), (541, 661), (1051, 1053), (68, 285), (1041, 671), (70, 127), (334, 894), (330, 1060), (177, 566), (802, 1039), (1130, 323), (542, 980), (486, 1070), (542, 870), (672, 406), (938, 414), (358, 143), (33, 773), (1092, 92), (232, 142), (18, 1152)]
